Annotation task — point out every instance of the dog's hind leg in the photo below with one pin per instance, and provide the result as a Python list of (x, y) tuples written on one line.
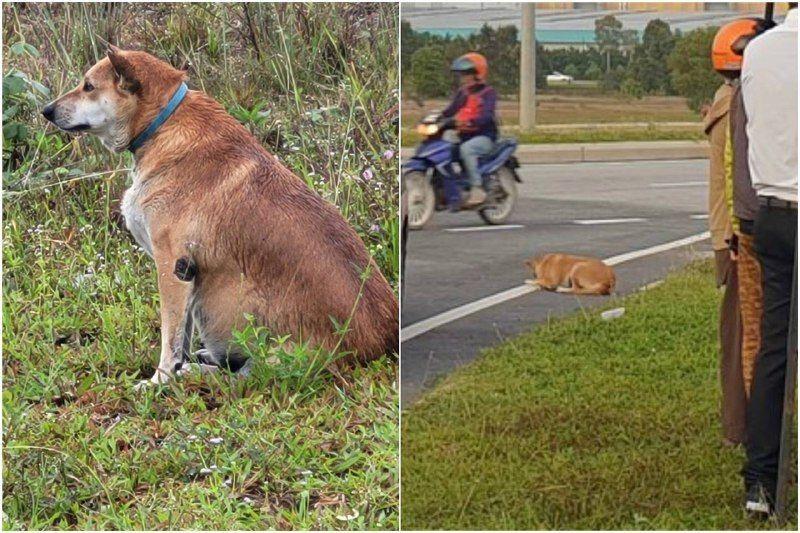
[(597, 289)]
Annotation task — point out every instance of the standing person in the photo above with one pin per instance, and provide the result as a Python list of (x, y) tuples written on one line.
[(769, 91), (716, 125), (745, 208), (473, 108)]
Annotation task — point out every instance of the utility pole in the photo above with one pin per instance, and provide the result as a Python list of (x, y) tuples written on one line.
[(527, 70)]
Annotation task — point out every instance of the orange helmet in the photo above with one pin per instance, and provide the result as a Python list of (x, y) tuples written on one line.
[(471, 63), (729, 43)]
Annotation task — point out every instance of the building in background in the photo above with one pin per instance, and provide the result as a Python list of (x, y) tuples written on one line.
[(571, 24)]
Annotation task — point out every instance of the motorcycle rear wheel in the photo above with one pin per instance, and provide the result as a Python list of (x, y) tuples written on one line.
[(421, 199), (505, 189)]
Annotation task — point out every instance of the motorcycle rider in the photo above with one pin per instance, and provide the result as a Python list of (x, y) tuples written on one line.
[(473, 109)]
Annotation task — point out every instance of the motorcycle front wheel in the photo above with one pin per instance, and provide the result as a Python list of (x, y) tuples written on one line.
[(421, 199), (502, 197)]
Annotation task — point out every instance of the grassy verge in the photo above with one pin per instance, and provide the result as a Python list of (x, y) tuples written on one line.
[(565, 107), (294, 445), (654, 133), (583, 424)]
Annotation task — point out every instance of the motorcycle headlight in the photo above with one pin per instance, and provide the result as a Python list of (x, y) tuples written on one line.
[(427, 129)]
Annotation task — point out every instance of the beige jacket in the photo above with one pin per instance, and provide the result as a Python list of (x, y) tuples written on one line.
[(715, 124)]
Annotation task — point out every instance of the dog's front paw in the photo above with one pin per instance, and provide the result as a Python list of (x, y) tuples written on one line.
[(158, 378)]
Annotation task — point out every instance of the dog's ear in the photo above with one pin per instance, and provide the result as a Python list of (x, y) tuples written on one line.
[(123, 70)]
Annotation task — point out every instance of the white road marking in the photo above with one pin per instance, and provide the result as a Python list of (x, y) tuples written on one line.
[(599, 221), (668, 185), (484, 228), (643, 162), (701, 216), (423, 326)]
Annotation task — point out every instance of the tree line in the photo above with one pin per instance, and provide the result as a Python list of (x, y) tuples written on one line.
[(661, 62)]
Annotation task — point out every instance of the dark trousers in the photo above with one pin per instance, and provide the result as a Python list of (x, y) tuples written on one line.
[(775, 242)]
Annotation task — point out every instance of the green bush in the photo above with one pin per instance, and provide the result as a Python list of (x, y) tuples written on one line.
[(572, 70), (612, 80), (427, 74), (632, 87), (692, 73), (648, 70), (593, 72)]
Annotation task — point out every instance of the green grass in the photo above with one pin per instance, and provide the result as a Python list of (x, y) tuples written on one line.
[(584, 424), (297, 444), (594, 135)]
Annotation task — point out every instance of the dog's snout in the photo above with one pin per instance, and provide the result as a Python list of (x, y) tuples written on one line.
[(49, 112)]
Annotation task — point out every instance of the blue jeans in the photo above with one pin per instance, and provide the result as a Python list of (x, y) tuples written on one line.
[(470, 151)]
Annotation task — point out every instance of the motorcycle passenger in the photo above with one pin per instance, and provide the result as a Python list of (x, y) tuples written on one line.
[(473, 108)]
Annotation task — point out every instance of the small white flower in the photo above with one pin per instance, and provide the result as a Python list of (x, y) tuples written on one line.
[(210, 469)]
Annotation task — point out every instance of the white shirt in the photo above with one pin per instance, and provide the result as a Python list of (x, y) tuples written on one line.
[(769, 89)]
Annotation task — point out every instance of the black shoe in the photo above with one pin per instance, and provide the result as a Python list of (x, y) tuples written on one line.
[(759, 503)]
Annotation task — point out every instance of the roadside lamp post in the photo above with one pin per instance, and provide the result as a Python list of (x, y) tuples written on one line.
[(527, 70)]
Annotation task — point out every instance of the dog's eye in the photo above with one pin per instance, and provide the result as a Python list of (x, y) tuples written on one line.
[(88, 87)]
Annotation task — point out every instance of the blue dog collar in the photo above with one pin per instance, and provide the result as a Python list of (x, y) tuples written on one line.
[(162, 117)]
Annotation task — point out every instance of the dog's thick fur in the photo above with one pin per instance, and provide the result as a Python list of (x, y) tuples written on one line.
[(233, 232), (572, 274)]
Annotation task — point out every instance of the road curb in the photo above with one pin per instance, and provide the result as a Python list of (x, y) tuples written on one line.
[(531, 154)]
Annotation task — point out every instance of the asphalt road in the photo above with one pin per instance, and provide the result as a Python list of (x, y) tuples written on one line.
[(573, 208)]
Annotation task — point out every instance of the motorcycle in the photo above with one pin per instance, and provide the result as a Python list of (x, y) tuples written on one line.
[(434, 184)]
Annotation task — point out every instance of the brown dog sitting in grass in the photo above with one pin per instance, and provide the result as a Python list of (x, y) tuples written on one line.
[(232, 231), (571, 274)]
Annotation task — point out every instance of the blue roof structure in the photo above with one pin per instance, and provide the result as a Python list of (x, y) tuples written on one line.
[(562, 27)]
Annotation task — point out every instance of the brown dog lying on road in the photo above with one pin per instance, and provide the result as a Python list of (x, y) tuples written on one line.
[(232, 231), (571, 274)]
